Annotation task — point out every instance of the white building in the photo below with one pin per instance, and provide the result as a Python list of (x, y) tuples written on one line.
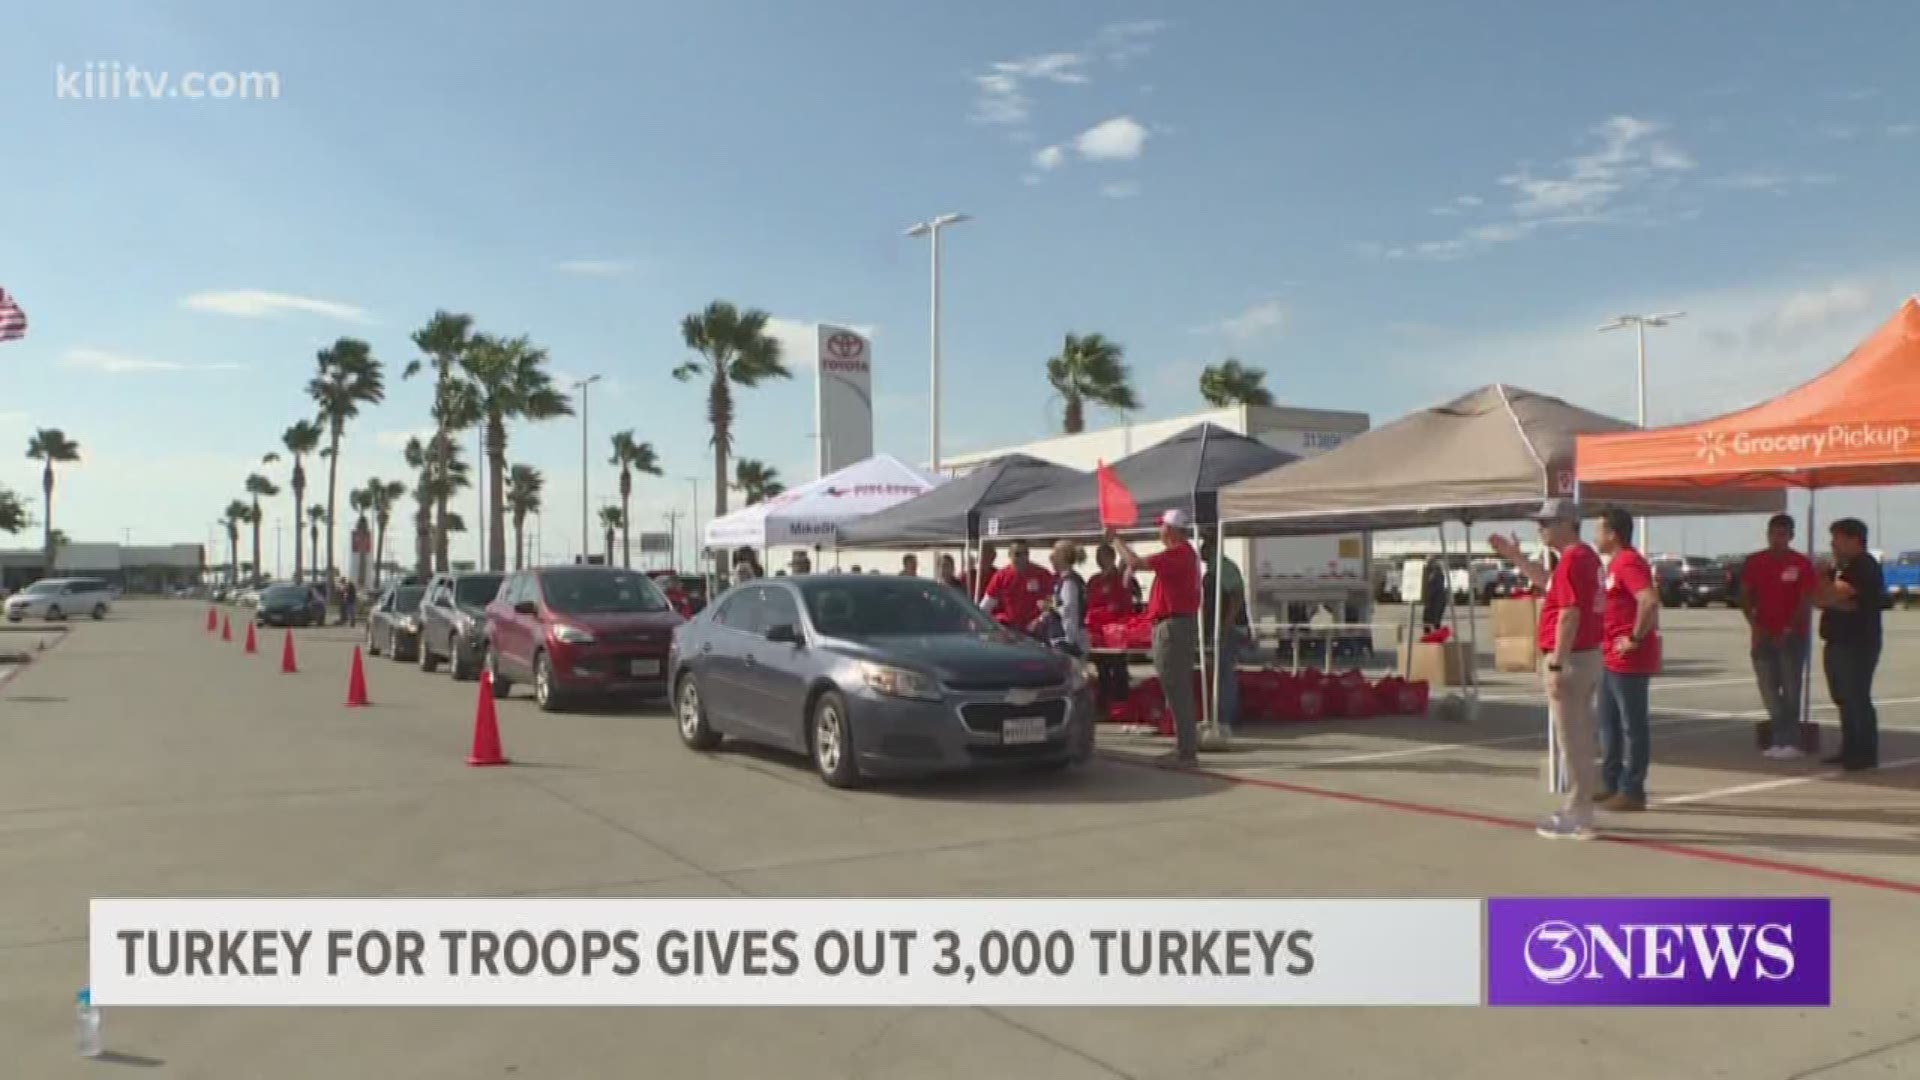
[(132, 567)]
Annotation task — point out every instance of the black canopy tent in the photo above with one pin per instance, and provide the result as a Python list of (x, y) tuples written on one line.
[(953, 512)]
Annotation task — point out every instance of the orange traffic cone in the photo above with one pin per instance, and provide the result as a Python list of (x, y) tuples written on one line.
[(226, 628), (286, 655), (486, 727), (213, 619), (356, 682), (251, 647)]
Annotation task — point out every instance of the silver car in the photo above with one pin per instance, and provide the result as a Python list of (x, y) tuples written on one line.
[(875, 676), (61, 598)]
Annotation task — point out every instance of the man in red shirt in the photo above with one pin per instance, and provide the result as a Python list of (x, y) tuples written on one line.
[(1570, 633), (1015, 591), (1173, 603), (1110, 595), (1632, 656), (1776, 591)]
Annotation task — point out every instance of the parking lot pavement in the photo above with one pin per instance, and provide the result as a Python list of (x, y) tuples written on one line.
[(143, 758)]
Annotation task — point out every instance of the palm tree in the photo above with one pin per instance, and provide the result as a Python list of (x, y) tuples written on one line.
[(379, 496), (630, 457), (317, 516), (435, 481), (1089, 370), (736, 351), (258, 486), (60, 540), (13, 513), (237, 513), (445, 340), (1233, 383), (612, 520), (301, 439), (756, 480), (348, 378), (510, 382), (50, 445), (523, 497)]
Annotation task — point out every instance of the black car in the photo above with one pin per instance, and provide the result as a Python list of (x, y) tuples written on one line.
[(1692, 581), (393, 623), (453, 621), (290, 605)]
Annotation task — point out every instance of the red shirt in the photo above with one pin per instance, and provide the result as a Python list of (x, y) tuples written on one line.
[(1017, 594), (1778, 583), (1628, 575), (1576, 584), (1176, 582), (1108, 592)]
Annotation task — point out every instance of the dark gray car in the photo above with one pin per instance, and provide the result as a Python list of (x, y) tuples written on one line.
[(875, 676), (453, 621)]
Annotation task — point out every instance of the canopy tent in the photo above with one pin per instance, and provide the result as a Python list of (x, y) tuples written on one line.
[(812, 512), (952, 513), (1857, 424), (1491, 455), (1183, 473)]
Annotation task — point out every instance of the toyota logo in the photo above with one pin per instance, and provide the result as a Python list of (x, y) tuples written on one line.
[(846, 346), (1555, 952)]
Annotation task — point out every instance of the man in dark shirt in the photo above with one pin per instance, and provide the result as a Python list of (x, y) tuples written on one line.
[(1434, 588), (1852, 598)]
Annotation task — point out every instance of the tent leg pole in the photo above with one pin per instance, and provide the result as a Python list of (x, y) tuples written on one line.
[(1219, 606), (1806, 666), (1473, 636)]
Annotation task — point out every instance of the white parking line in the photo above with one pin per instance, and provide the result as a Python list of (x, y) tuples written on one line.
[(1769, 785), (1658, 686)]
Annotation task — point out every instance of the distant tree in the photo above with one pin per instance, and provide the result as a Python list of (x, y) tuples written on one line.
[(1089, 370), (50, 446), (349, 376), (317, 516), (13, 513), (612, 520), (630, 457), (236, 516), (445, 340), (524, 484), (735, 350), (510, 382), (257, 487), (379, 497), (756, 480), (301, 439), (1233, 383)]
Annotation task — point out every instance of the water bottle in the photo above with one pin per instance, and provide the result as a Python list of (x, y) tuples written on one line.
[(87, 1027)]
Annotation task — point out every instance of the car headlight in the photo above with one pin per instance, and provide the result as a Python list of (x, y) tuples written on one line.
[(1076, 679), (572, 635), (900, 682)]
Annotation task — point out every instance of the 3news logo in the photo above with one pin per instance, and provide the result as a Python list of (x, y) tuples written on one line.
[(1693, 951)]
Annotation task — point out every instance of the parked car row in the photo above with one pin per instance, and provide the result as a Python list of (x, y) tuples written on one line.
[(867, 676)]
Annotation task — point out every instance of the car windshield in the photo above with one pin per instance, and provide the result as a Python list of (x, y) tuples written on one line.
[(408, 598), (41, 588), (872, 607), (477, 590), (284, 594), (592, 592)]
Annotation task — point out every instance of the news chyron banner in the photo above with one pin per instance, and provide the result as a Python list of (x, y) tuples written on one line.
[(843, 417), (1539, 951)]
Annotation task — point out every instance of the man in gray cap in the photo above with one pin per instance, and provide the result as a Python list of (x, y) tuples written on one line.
[(1570, 634)]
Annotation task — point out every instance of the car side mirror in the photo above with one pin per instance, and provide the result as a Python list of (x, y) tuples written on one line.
[(785, 634), (527, 607)]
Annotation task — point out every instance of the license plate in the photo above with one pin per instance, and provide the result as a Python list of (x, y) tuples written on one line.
[(1016, 730), (643, 668)]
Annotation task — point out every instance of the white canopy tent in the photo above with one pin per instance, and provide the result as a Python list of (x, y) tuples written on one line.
[(812, 513)]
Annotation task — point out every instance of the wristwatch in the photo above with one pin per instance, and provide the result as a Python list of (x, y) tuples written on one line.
[(1553, 665)]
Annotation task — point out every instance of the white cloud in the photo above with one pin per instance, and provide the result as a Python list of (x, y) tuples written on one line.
[(1468, 201), (114, 363), (397, 440), (800, 340), (1862, 93), (1030, 179), (1002, 98), (1058, 67), (1124, 42), (1901, 131), (1810, 311), (260, 304), (1259, 320), (1121, 138), (1049, 158), (1763, 180), (1120, 189), (594, 267)]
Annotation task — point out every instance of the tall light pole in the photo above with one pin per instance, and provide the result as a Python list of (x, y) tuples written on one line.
[(931, 230), (581, 387), (1640, 324)]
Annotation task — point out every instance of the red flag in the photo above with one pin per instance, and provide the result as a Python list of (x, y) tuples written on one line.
[(1116, 502)]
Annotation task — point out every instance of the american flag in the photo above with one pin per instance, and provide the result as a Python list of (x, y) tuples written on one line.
[(13, 321)]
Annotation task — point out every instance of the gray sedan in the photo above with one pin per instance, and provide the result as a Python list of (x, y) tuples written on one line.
[(875, 676)]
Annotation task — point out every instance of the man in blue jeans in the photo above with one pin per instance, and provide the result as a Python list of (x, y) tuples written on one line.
[(1631, 652)]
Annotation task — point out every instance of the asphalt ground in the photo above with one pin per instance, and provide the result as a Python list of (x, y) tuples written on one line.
[(142, 757)]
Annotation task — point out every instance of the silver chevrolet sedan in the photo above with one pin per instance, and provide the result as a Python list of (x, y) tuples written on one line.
[(875, 676)]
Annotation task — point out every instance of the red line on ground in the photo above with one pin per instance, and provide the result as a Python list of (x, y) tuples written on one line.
[(1430, 810)]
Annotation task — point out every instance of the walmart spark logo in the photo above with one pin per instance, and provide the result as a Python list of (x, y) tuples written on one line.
[(1713, 446)]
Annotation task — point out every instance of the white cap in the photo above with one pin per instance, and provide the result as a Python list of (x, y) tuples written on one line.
[(1174, 519)]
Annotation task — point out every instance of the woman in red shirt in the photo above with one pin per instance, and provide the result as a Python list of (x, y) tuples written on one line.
[(1110, 598), (1631, 652)]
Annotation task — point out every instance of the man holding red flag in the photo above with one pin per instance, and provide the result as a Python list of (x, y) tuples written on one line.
[(1173, 603)]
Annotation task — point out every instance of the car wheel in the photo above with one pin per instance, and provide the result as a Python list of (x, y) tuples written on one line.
[(694, 729), (830, 737), (502, 686), (459, 666), (54, 614), (428, 663), (99, 612), (545, 692)]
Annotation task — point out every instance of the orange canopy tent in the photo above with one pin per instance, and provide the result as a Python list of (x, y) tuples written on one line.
[(1857, 424)]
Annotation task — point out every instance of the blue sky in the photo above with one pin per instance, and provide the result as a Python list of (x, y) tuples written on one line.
[(1382, 205)]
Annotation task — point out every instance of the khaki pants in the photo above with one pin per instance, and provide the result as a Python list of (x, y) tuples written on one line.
[(1176, 649), (1570, 694)]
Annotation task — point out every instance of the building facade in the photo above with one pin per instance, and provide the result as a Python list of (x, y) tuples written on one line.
[(134, 568)]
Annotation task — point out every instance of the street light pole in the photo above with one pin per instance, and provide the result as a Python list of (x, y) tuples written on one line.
[(931, 230), (582, 386), (1640, 324)]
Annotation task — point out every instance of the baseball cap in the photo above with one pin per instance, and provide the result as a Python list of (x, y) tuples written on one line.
[(1174, 519), (1565, 510)]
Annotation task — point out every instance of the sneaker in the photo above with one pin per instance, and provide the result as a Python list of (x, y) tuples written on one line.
[(1786, 753), (1564, 826), (1625, 802)]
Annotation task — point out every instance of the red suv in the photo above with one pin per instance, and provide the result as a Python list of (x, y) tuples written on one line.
[(578, 631)]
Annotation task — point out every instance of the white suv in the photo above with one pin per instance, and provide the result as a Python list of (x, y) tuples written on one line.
[(60, 598)]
